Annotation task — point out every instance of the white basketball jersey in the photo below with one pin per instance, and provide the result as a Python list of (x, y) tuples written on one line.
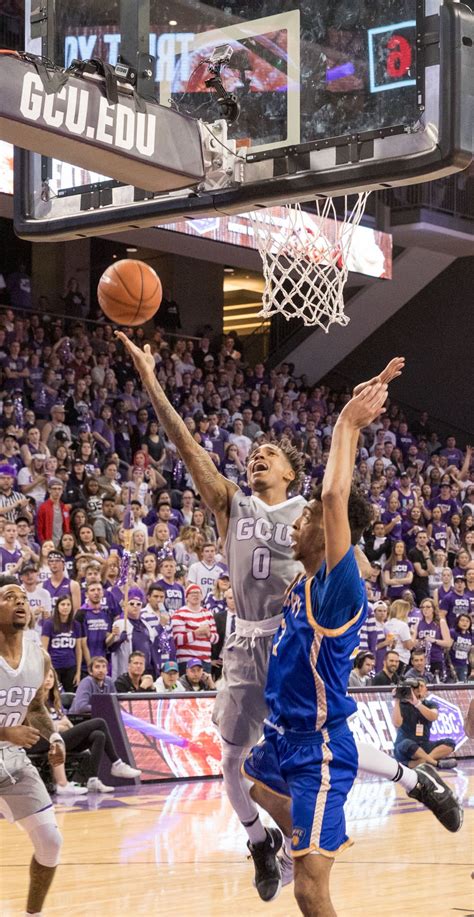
[(258, 552), (19, 686)]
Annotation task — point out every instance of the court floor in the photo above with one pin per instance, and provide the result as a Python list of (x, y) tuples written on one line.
[(177, 849)]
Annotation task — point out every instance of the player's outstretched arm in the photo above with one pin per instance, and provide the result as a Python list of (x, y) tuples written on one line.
[(215, 490), (357, 413)]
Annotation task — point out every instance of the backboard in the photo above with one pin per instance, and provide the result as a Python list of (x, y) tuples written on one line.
[(333, 98)]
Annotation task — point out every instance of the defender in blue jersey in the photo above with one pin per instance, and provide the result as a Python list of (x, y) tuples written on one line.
[(306, 763)]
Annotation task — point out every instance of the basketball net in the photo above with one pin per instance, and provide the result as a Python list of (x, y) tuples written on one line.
[(305, 260)]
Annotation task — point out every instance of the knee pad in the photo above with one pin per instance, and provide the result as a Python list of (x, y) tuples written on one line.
[(43, 831)]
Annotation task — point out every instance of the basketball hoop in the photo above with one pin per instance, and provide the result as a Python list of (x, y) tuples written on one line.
[(305, 260)]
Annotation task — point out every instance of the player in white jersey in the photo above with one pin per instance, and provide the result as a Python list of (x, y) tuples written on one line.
[(23, 720), (257, 536)]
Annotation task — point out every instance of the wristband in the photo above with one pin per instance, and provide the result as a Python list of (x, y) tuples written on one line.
[(55, 737)]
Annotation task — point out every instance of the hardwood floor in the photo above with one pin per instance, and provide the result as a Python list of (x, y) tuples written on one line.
[(178, 850)]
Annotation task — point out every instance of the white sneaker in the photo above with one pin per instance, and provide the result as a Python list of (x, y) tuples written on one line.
[(70, 789), (94, 785), (120, 769)]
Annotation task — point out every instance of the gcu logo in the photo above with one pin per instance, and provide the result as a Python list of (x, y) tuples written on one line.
[(264, 531)]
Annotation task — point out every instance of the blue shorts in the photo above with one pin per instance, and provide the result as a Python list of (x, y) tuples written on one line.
[(316, 774)]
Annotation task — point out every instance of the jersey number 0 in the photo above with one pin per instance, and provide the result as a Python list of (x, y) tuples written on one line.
[(261, 560)]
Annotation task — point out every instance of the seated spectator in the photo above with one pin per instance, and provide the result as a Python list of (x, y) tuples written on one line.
[(62, 639), (134, 680), (92, 735), (418, 667), (97, 682), (195, 678), (194, 630), (389, 673), (168, 682), (412, 718), (364, 663)]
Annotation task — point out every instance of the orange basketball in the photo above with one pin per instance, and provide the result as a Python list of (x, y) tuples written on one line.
[(129, 292)]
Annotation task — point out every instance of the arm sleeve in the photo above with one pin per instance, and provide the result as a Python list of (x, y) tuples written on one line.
[(341, 599)]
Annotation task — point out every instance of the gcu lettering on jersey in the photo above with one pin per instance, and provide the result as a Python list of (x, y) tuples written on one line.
[(258, 551), (263, 529), (16, 696)]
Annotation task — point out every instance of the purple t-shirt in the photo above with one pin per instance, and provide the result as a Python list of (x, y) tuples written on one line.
[(455, 605), (439, 535), (174, 595), (459, 651), (8, 560), (434, 653), (396, 533), (407, 501), (95, 626), (399, 570), (447, 507), (62, 646), (55, 592)]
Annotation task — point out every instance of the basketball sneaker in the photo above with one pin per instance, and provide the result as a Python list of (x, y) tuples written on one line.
[(70, 789), (436, 795), (120, 769), (267, 865), (94, 785)]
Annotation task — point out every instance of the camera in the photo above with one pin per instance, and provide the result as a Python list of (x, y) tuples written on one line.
[(405, 687)]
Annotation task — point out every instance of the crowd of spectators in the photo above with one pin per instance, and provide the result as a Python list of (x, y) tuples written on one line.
[(81, 450)]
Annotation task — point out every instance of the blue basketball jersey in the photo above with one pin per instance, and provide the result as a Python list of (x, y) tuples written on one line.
[(311, 661)]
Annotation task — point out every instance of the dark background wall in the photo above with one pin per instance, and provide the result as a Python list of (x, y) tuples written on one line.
[(435, 332)]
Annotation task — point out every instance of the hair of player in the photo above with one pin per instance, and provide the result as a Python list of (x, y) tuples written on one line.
[(358, 511)]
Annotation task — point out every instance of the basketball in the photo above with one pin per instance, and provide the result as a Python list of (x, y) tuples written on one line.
[(129, 292)]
